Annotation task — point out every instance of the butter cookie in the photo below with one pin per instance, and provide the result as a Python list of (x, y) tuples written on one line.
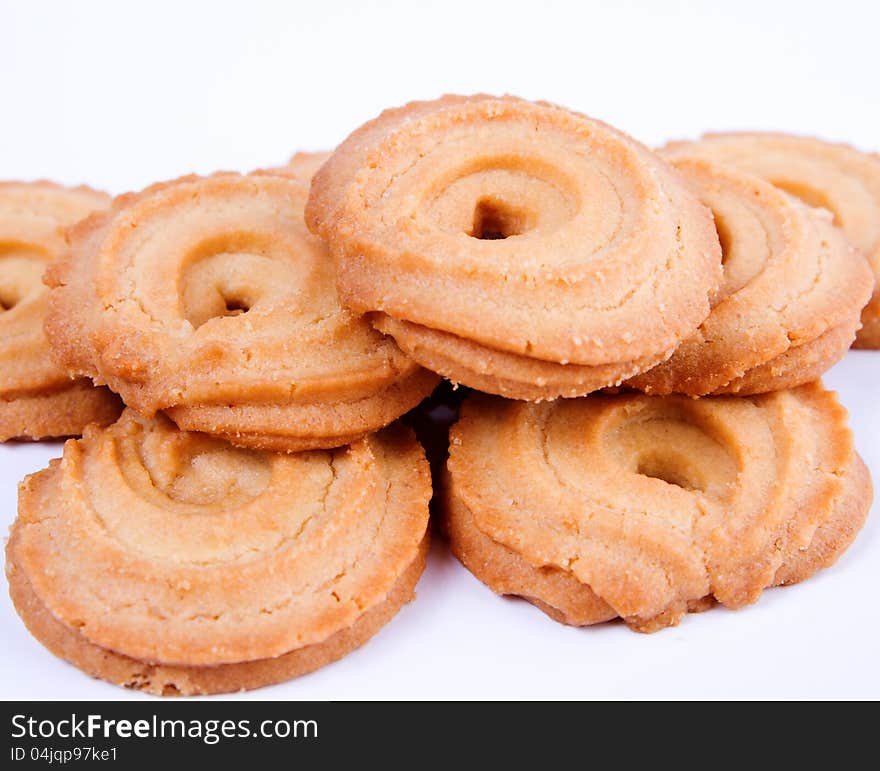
[(835, 177), (790, 300), (176, 563), (647, 507), (38, 399)]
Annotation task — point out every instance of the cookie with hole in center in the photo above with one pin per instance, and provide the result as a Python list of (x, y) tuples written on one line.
[(646, 507), (515, 247), (208, 298), (791, 297), (835, 177), (176, 563), (38, 398)]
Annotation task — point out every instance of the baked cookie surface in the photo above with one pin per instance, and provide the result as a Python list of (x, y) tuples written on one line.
[(207, 298), (301, 167), (791, 297), (835, 177), (516, 247), (174, 562), (646, 507), (38, 399)]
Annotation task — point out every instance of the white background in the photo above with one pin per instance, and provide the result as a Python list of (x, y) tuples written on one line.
[(120, 94)]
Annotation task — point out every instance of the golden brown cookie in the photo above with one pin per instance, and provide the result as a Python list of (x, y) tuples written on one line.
[(835, 177), (37, 397), (176, 563), (306, 165), (790, 300), (209, 299), (516, 247), (647, 507), (301, 167)]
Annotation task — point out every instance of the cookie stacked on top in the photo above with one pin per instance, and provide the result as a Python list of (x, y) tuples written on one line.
[(252, 515)]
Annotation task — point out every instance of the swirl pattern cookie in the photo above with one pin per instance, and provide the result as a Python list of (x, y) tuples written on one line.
[(645, 507), (834, 177), (176, 563), (209, 299), (37, 397), (513, 246), (790, 301)]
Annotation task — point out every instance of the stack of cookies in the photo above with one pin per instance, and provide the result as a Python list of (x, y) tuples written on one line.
[(647, 330)]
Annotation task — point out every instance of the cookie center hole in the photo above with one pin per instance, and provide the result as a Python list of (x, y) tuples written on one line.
[(495, 220), (230, 275), (724, 236), (809, 195), (21, 273), (236, 306), (197, 469), (667, 469)]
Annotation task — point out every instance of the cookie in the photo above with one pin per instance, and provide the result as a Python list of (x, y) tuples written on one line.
[(646, 507), (515, 247), (835, 177), (38, 399), (301, 167), (175, 563), (208, 298), (306, 165), (790, 300)]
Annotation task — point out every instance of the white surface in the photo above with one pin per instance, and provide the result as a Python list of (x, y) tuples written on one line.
[(119, 94)]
